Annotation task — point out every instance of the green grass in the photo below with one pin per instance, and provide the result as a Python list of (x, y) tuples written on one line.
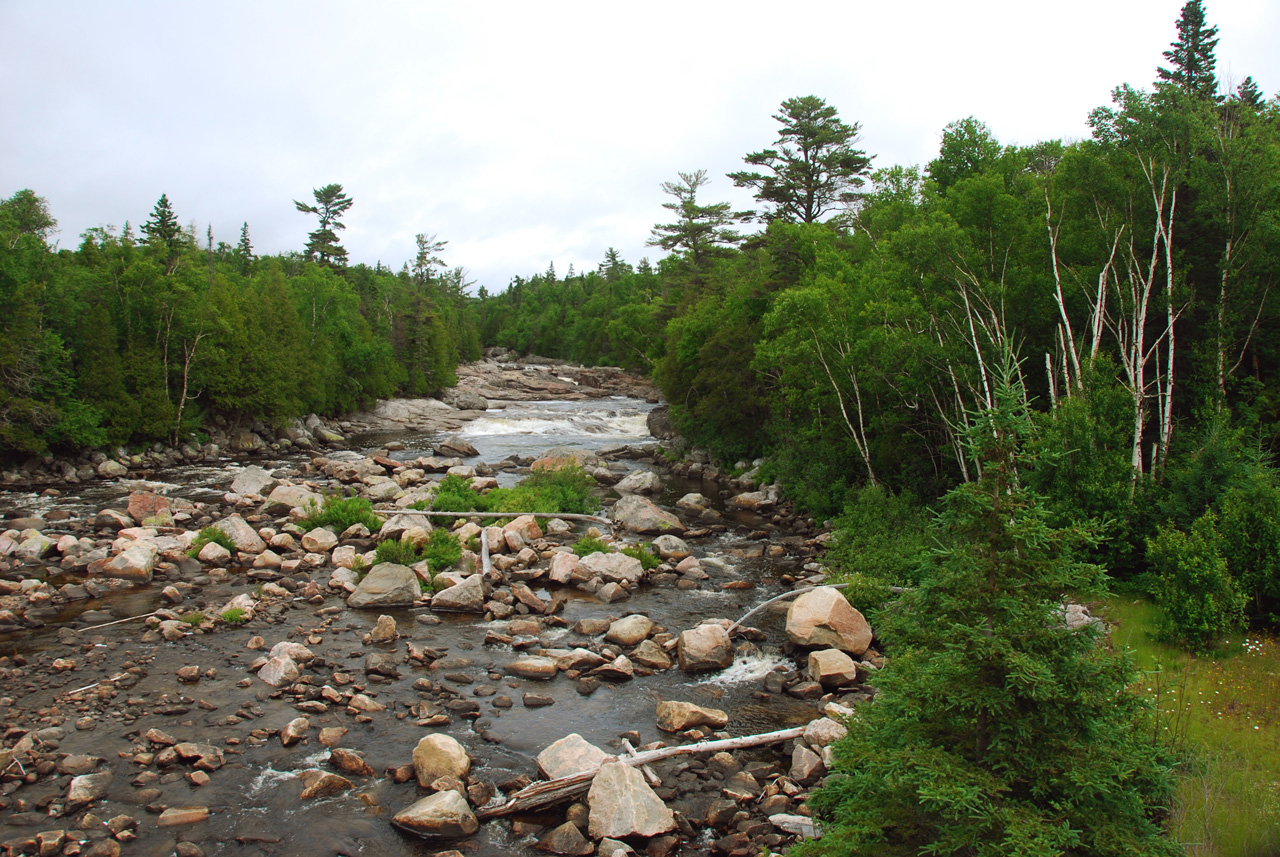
[(587, 545), (566, 490), (210, 534), (1221, 711), (342, 512), (442, 550), (235, 616), (192, 618), (647, 559)]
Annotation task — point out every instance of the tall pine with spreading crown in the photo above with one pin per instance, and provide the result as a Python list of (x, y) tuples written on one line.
[(997, 730), (1191, 55)]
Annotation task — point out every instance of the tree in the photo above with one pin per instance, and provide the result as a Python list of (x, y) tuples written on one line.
[(1249, 94), (24, 213), (322, 244), (997, 729), (162, 229), (1191, 55), (814, 168), (700, 231), (968, 148)]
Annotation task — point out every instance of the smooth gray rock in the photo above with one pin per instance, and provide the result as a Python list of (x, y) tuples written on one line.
[(465, 597), (253, 480), (611, 567), (386, 585), (704, 648), (569, 755), (622, 805), (245, 537), (641, 516)]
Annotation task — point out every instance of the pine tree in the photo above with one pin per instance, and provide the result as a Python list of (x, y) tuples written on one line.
[(1191, 55), (322, 244), (997, 730), (162, 228), (700, 231), (1249, 94)]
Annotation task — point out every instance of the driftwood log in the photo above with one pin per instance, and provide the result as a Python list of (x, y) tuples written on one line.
[(551, 792)]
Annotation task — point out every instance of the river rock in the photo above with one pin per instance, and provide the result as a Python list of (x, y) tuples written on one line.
[(678, 716), (36, 545), (622, 804), (348, 761), (443, 814), (458, 446), (386, 585), (178, 816), (832, 668), (384, 630), (534, 666), (317, 784), (704, 648), (214, 554), (289, 649), (806, 765), (112, 519), (754, 501), (526, 526), (629, 630), (245, 537), (319, 540), (465, 597), (659, 423), (253, 480), (145, 504), (278, 671), (569, 755), (671, 547), (439, 755), (611, 592), (135, 563), (286, 497), (650, 654), (562, 568), (694, 502), (823, 731), (611, 567), (112, 469), (87, 788), (294, 731), (641, 516), (464, 400), (822, 617), (566, 839), (640, 482)]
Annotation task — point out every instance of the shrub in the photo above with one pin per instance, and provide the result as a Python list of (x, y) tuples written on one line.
[(588, 545), (647, 559), (192, 618), (1193, 586), (210, 534), (398, 552), (442, 550), (342, 512), (235, 616)]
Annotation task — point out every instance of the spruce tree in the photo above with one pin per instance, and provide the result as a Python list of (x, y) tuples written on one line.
[(1191, 55), (997, 729), (1249, 94), (162, 228)]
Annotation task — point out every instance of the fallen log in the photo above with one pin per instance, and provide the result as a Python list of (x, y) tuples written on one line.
[(551, 792)]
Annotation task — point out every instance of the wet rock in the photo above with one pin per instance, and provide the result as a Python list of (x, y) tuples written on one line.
[(253, 480), (177, 816), (629, 630), (566, 839), (537, 700), (832, 668), (136, 563), (704, 648), (112, 519), (562, 567), (694, 502), (294, 731), (641, 516), (87, 788), (676, 716), (458, 446), (331, 735), (289, 649), (612, 592), (439, 755), (526, 526), (349, 761), (443, 814), (204, 757), (465, 597), (145, 504), (77, 764), (279, 670), (384, 630), (112, 469), (649, 654), (614, 848), (245, 537), (569, 755), (752, 500), (822, 617), (382, 663), (619, 669), (640, 482), (622, 804), (534, 666), (575, 659), (316, 784), (386, 585), (671, 547)]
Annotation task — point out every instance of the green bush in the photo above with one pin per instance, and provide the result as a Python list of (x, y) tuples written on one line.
[(1193, 584), (397, 552), (647, 560), (442, 551), (235, 616), (566, 490), (879, 542), (588, 545), (342, 512), (192, 618), (210, 534)]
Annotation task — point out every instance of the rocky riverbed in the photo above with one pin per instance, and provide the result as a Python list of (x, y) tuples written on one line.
[(272, 700)]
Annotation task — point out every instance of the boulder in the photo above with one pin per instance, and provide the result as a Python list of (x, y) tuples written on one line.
[(458, 446), (704, 648), (640, 482), (694, 502), (294, 731), (622, 804), (806, 765), (679, 716), (754, 501), (569, 755), (566, 839), (317, 784), (526, 526), (285, 497), (386, 585), (253, 480), (245, 537), (87, 788), (439, 755), (641, 516), (671, 547), (384, 630), (629, 630), (659, 423), (112, 519), (112, 469), (822, 617), (35, 546), (279, 670), (465, 400), (611, 568), (649, 654), (319, 540), (562, 567), (823, 731), (534, 666), (136, 563), (145, 504), (443, 814), (465, 597), (833, 668)]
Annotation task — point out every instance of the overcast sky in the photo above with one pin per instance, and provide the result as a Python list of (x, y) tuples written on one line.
[(526, 133)]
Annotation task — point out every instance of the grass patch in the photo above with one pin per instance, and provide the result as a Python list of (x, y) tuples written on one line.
[(235, 616), (588, 545), (342, 512), (647, 559), (1221, 711), (566, 490), (441, 551), (210, 534), (193, 618)]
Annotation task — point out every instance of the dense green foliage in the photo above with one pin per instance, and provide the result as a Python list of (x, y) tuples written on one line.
[(127, 339), (588, 545), (648, 559), (997, 730), (440, 551), (207, 535), (339, 513), (564, 490)]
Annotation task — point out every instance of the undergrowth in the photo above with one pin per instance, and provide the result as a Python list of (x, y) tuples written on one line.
[(210, 534), (342, 512), (565, 490)]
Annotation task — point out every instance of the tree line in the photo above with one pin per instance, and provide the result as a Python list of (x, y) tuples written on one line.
[(136, 337)]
